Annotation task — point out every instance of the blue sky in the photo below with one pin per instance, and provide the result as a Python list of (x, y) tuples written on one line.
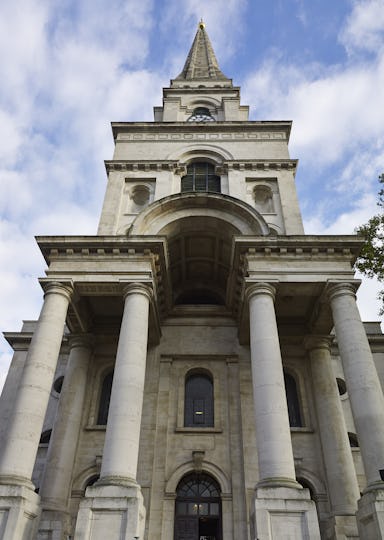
[(70, 67)]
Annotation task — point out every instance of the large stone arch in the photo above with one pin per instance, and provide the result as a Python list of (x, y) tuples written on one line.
[(158, 216), (199, 228)]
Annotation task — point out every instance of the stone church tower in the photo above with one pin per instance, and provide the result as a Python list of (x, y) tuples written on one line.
[(198, 391)]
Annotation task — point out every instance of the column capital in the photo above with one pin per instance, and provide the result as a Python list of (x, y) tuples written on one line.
[(261, 288), (335, 289), (85, 341), (137, 288), (313, 342), (57, 287)]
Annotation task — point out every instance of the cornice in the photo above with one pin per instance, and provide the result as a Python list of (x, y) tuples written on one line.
[(298, 245), (62, 250), (53, 246), (179, 168)]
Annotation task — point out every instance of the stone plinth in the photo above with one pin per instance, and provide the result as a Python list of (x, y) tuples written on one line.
[(285, 513), (370, 515), (111, 511), (19, 512), (54, 525)]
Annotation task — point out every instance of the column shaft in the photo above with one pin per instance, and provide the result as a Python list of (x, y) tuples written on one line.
[(26, 422), (273, 435), (62, 448), (341, 474), (362, 381), (122, 438)]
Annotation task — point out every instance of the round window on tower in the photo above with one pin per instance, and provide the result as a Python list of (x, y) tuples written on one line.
[(201, 114)]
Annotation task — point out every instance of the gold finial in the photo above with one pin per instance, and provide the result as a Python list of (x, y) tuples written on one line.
[(201, 23)]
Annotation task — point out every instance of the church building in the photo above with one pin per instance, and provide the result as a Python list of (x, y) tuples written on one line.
[(199, 369)]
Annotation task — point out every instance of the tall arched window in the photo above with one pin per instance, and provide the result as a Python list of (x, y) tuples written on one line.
[(200, 177), (105, 398), (292, 401), (198, 406), (198, 508)]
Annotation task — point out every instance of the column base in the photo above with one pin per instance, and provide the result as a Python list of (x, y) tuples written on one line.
[(19, 511), (54, 524), (370, 515), (341, 528), (284, 513), (111, 511)]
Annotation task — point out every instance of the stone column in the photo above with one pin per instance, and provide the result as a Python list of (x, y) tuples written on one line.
[(26, 421), (367, 403), (117, 488), (274, 447), (341, 475), (281, 507), (363, 385), (121, 447), (56, 484)]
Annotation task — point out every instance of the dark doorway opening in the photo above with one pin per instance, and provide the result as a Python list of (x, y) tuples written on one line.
[(198, 509)]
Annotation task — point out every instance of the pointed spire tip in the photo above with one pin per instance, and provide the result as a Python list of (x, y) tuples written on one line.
[(201, 23)]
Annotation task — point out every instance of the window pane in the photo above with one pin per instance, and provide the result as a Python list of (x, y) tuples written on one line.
[(292, 401), (198, 399), (203, 509), (214, 184), (105, 398), (187, 183), (193, 508), (214, 509), (198, 411), (200, 183), (181, 508)]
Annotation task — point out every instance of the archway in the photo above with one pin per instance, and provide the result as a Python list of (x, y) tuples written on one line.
[(198, 508)]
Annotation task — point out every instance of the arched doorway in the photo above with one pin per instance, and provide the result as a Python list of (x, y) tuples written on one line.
[(198, 508)]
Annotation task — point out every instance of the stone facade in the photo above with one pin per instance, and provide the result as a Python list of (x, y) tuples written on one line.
[(234, 410)]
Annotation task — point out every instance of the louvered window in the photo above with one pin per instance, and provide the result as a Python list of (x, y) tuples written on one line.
[(200, 177)]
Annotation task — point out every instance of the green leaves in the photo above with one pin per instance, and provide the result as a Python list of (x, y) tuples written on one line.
[(371, 259)]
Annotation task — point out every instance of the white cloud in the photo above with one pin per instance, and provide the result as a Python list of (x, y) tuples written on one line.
[(67, 70), (364, 28)]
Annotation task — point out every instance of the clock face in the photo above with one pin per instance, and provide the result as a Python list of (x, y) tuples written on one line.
[(201, 114)]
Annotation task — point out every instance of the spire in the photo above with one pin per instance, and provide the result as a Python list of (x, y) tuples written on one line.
[(201, 61)]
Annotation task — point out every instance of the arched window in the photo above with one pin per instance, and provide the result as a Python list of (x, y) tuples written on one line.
[(198, 406), (198, 508), (292, 401), (200, 177), (105, 398)]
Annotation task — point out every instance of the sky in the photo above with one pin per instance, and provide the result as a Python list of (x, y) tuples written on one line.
[(70, 67)]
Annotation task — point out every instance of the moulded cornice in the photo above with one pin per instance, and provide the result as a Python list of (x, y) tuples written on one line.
[(140, 260), (179, 168)]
